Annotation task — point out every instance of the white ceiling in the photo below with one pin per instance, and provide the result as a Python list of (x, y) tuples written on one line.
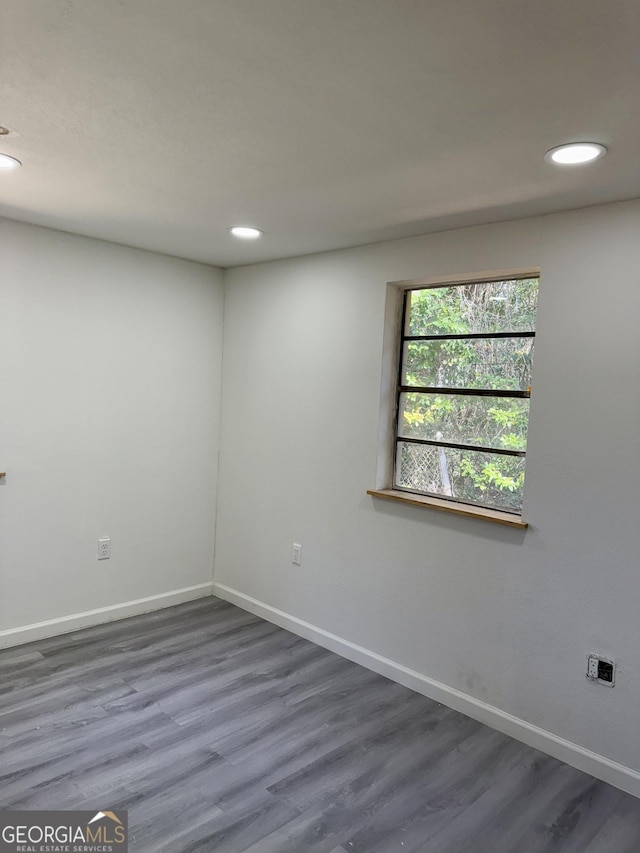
[(327, 123)]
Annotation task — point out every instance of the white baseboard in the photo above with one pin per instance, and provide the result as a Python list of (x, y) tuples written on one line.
[(619, 775), (53, 627)]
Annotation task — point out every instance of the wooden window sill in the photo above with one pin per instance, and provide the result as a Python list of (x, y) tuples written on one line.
[(494, 515)]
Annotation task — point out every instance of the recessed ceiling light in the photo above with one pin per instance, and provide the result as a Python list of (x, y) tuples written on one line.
[(575, 153), (245, 232), (7, 162)]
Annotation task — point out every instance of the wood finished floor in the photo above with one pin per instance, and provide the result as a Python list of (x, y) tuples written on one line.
[(222, 733)]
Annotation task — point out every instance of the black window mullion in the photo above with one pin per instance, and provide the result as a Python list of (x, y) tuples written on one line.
[(469, 336), (454, 445), (467, 392)]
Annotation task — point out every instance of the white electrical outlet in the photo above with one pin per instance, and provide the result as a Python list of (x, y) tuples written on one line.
[(104, 547), (601, 670), (296, 554)]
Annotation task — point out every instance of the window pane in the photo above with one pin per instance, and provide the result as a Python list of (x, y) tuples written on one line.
[(486, 479), (498, 306), (499, 363), (499, 422)]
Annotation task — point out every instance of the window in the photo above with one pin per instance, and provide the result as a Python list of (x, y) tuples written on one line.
[(464, 383)]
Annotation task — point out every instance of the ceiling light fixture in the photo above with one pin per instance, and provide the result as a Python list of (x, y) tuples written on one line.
[(7, 163), (245, 232), (575, 153)]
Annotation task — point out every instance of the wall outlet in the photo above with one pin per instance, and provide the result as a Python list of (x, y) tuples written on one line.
[(296, 554), (104, 547), (601, 669)]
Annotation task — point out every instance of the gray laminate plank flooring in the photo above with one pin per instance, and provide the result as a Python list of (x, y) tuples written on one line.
[(221, 733)]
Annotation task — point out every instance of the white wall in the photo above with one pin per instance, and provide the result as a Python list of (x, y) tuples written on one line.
[(504, 616), (110, 364)]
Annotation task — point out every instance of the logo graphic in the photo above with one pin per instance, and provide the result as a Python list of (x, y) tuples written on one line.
[(100, 815), (64, 832)]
